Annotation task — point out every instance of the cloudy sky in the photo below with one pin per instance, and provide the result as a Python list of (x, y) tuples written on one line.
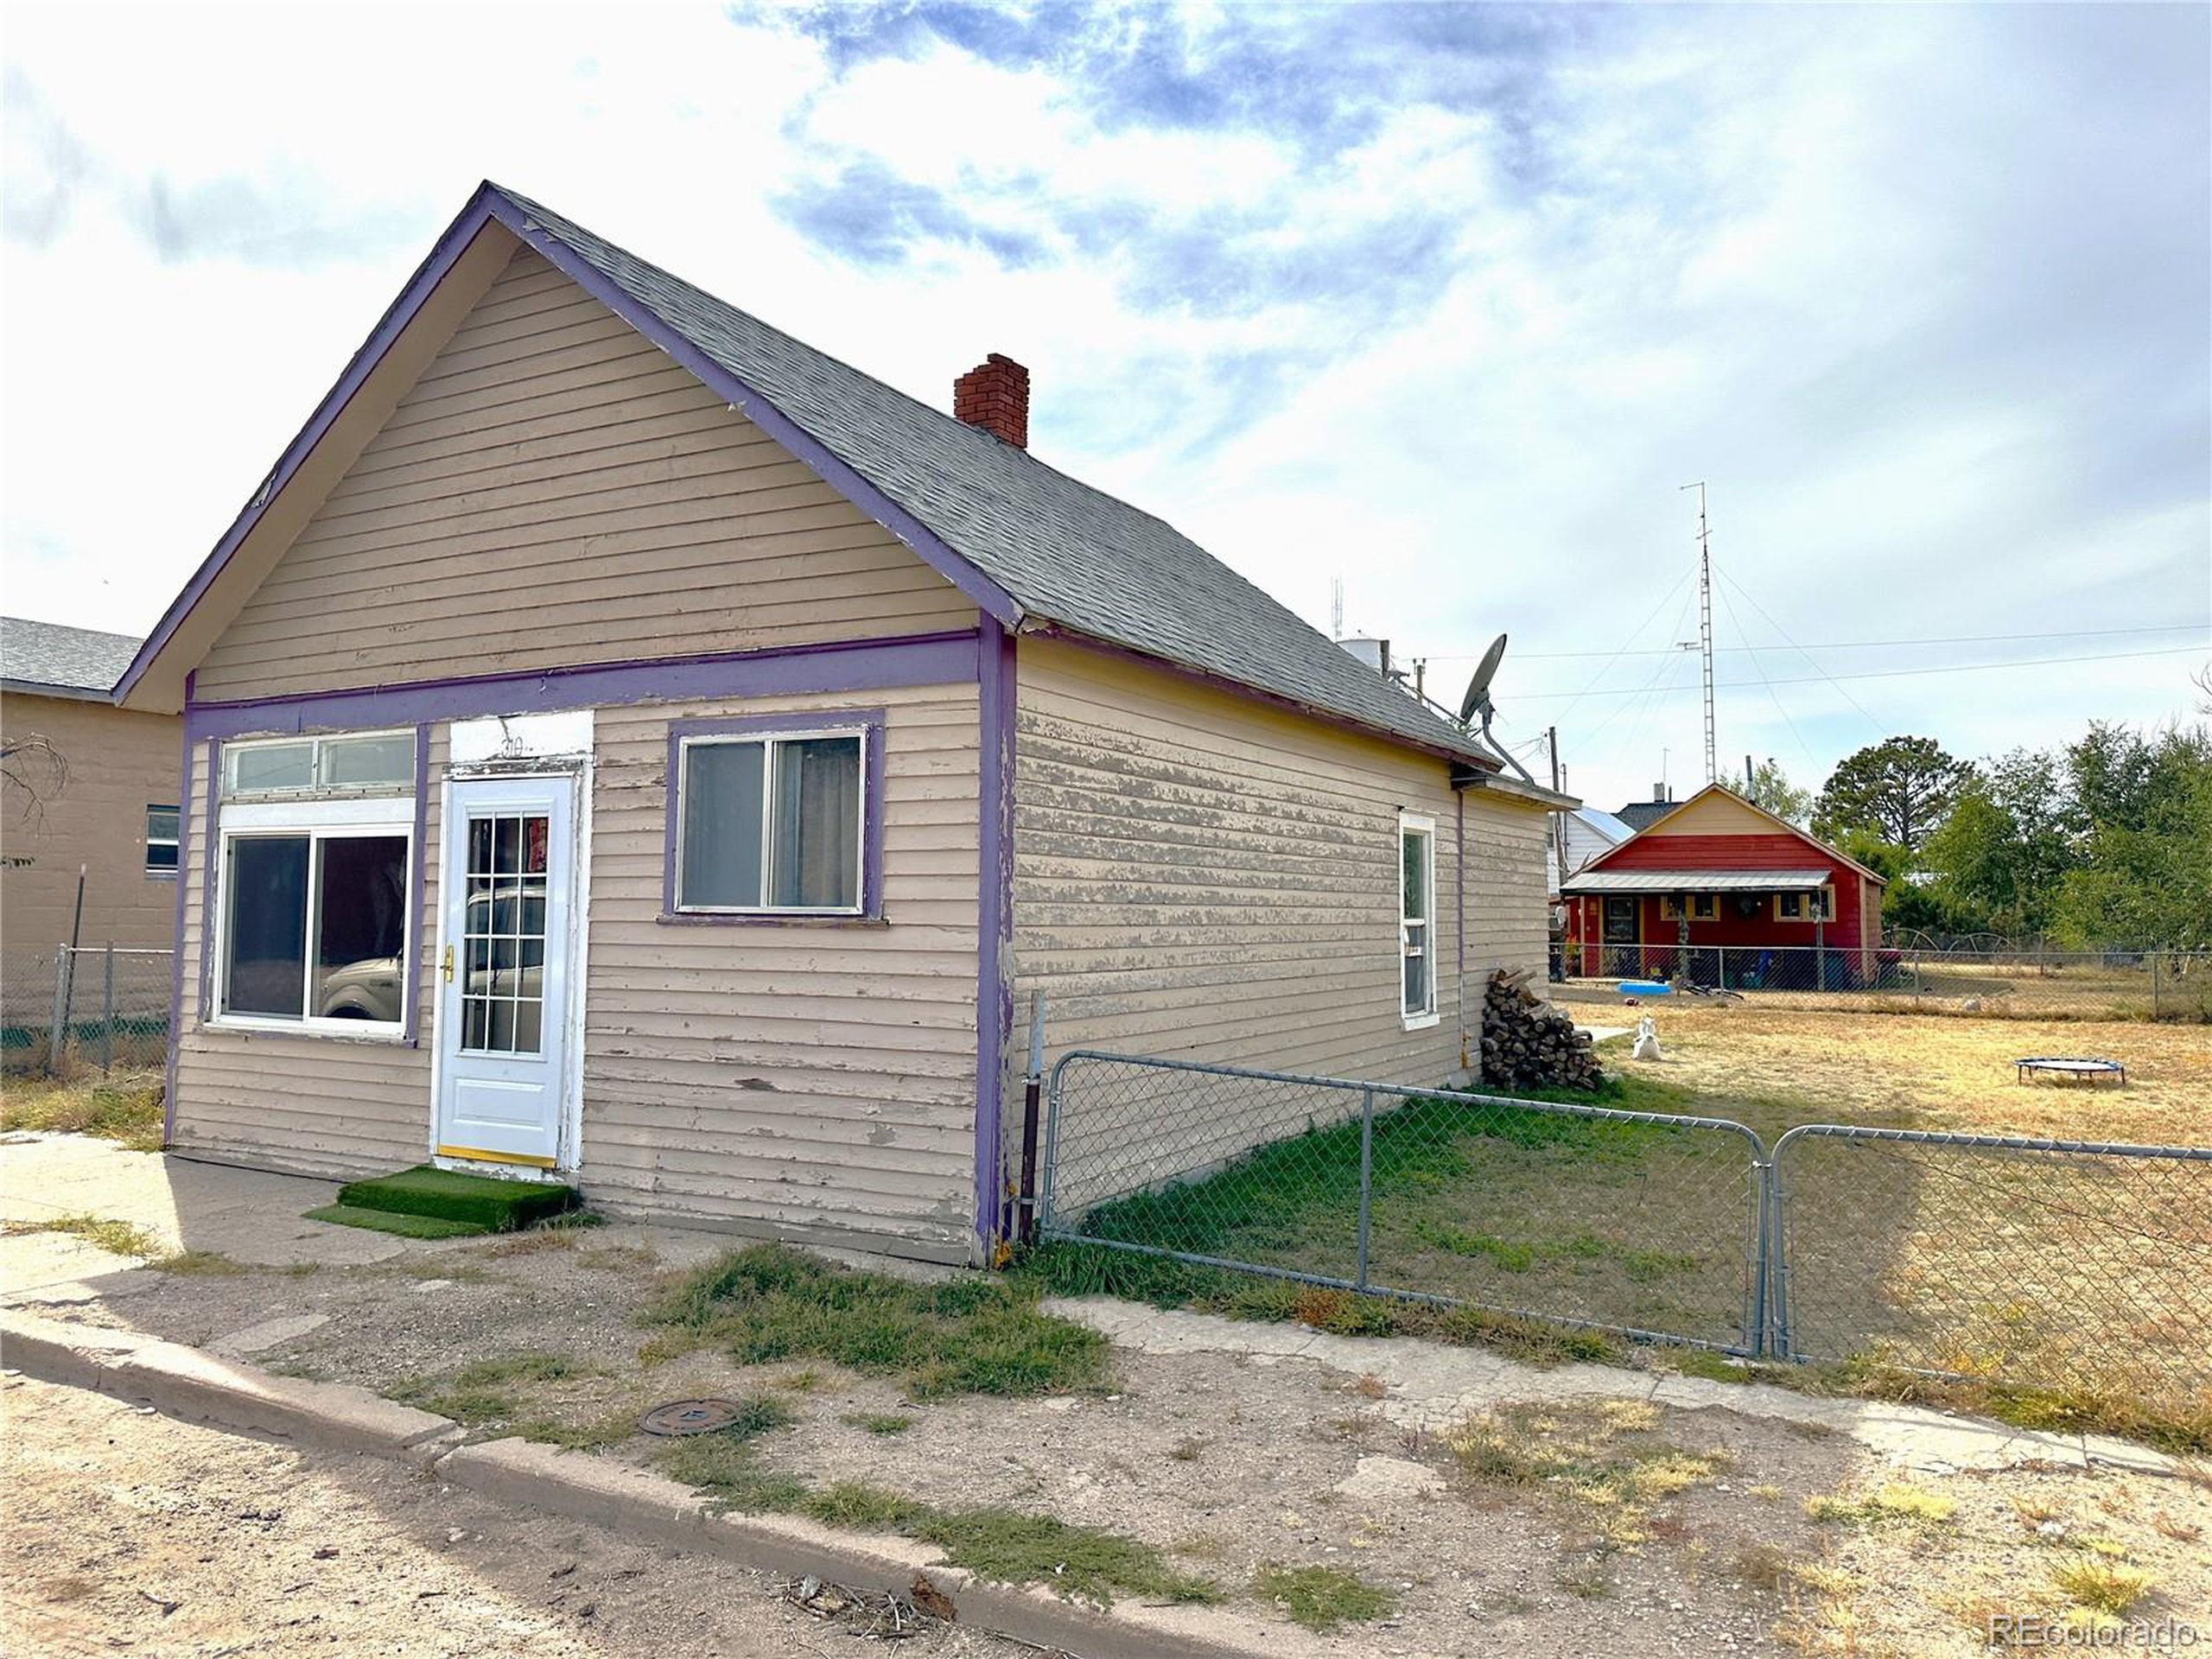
[(1445, 302)]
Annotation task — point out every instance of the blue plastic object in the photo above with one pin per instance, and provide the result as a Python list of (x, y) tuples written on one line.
[(1646, 987)]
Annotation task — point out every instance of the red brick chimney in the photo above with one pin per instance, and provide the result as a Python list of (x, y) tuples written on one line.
[(994, 395)]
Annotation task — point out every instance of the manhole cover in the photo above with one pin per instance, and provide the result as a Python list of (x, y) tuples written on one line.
[(688, 1417)]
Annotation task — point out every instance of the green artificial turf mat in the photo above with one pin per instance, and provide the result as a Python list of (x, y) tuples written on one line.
[(391, 1221), (495, 1205)]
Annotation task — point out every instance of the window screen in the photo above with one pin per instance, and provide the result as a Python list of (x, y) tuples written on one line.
[(770, 823)]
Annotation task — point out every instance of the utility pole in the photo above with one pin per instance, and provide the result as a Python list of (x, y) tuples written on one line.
[(1559, 819), (1705, 625)]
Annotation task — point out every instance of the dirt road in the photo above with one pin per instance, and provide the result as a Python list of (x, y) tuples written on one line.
[(127, 1532)]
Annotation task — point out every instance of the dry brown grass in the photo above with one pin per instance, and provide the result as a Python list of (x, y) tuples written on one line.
[(124, 1107), (1931, 1071)]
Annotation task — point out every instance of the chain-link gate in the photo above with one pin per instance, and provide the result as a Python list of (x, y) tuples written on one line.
[(1643, 1224), (2047, 1263)]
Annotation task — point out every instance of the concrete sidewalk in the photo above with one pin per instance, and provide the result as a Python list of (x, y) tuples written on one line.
[(247, 1215), (1431, 1386)]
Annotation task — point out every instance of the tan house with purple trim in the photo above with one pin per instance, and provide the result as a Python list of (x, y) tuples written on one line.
[(627, 742)]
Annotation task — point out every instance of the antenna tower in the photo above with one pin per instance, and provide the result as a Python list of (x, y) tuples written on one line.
[(1705, 625), (1337, 609)]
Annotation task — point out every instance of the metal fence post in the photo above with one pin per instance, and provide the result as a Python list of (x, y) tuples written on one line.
[(1053, 1091), (107, 1009), (2154, 984), (1755, 1314), (58, 1033), (1777, 1271), (1366, 1176)]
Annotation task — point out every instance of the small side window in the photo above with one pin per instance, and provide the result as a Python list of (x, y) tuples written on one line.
[(161, 840), (1417, 920)]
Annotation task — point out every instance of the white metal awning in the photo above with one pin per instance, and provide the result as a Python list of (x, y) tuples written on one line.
[(1597, 882)]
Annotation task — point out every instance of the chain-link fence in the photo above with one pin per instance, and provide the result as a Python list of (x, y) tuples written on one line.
[(2053, 1264), (2049, 1263), (97, 1006), (1998, 982), (1585, 1215)]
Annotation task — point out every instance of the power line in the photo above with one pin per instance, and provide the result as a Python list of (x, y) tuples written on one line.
[(1840, 644), (1894, 673), (1737, 623), (1631, 641), (1879, 729)]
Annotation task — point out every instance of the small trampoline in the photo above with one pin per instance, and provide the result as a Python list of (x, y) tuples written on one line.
[(2080, 1069)]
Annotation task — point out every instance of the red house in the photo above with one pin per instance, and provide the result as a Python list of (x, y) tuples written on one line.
[(1721, 892)]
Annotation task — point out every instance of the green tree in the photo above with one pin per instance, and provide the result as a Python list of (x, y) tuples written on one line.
[(2144, 872), (1899, 790), (1771, 788), (1997, 859)]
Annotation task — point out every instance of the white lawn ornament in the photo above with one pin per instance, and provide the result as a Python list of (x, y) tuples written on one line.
[(1647, 1039)]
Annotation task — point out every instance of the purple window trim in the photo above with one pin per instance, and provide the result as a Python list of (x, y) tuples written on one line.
[(993, 917), (212, 798), (418, 883), (871, 721), (835, 666), (411, 970), (176, 961), (486, 206)]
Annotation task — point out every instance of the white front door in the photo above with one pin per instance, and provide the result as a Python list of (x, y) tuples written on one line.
[(504, 990)]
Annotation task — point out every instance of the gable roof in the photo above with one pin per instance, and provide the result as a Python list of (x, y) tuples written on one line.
[(48, 659), (1780, 824), (1034, 548)]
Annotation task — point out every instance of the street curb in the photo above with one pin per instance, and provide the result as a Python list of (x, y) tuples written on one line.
[(184, 1383)]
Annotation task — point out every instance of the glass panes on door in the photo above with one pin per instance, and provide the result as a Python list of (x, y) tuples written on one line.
[(503, 935)]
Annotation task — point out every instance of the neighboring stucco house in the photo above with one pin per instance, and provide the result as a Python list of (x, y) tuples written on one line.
[(1718, 889), (87, 786), (625, 742)]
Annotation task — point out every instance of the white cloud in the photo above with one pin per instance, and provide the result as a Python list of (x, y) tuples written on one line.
[(1917, 292)]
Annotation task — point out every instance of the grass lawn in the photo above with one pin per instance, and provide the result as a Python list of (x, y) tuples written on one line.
[(126, 1107), (2087, 1279), (1770, 1068)]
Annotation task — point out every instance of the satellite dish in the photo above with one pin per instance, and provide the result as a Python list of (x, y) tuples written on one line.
[(1477, 702)]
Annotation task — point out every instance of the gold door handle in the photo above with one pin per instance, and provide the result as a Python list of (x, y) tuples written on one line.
[(445, 967)]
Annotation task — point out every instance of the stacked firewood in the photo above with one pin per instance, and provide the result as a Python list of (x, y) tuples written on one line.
[(1527, 1043)]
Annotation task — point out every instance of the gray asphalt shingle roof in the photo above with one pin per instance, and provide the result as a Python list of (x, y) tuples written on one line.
[(1068, 554), (78, 662)]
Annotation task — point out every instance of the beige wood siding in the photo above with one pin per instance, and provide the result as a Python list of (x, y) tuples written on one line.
[(1713, 814), (1198, 875), (814, 1079), (1509, 920), (554, 489), (317, 1105), (90, 812)]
